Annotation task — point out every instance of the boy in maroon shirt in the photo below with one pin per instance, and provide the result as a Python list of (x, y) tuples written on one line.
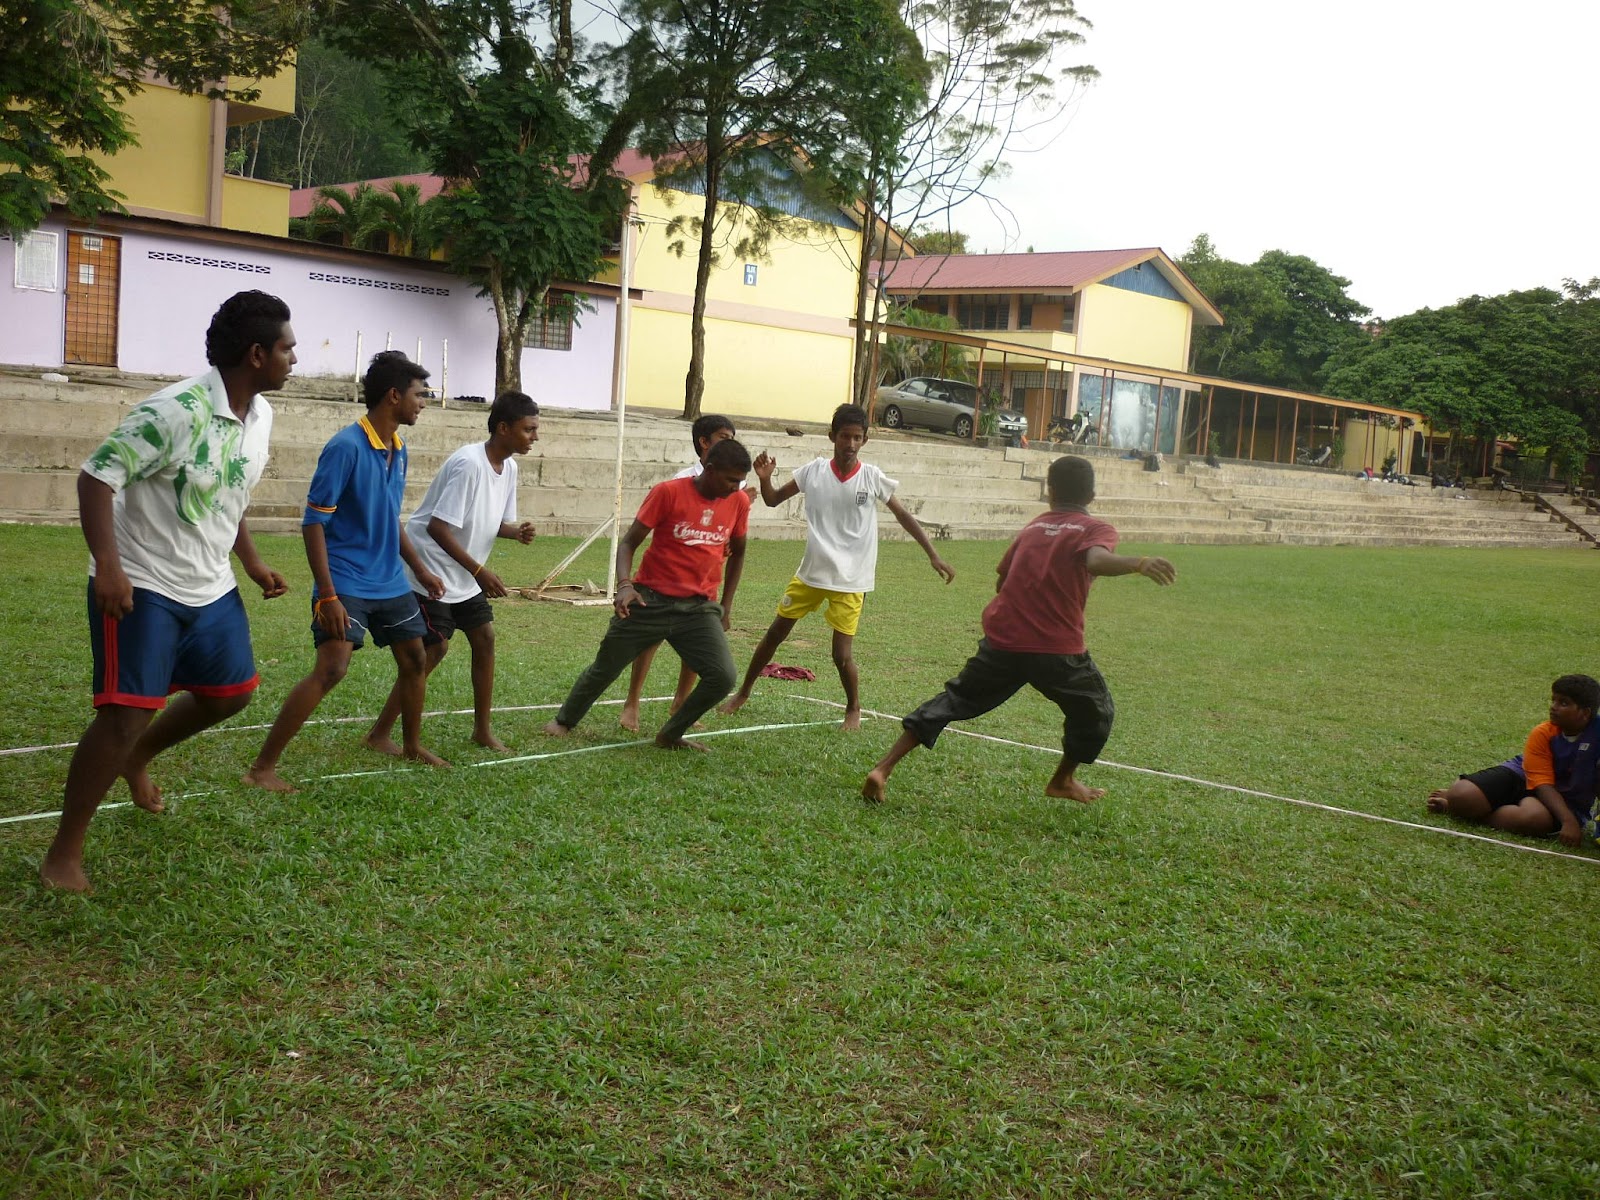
[(693, 525), (1033, 634)]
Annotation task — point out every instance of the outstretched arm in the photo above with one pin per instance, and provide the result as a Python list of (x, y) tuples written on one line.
[(1101, 561), (765, 465), (912, 526)]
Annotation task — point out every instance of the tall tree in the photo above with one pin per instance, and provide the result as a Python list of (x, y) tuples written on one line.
[(346, 126), (1483, 368), (728, 88), (1000, 75), (926, 239), (69, 66), (1284, 317), (509, 117)]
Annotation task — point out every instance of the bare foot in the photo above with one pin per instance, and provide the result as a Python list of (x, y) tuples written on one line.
[(1438, 801), (489, 742), (268, 779), (876, 787), (144, 791), (1073, 790), (678, 744), (64, 876), (732, 705), (628, 718), (383, 745), (425, 756), (852, 721), (557, 729)]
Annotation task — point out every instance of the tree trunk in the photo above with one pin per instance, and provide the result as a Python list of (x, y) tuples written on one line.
[(869, 347), (869, 233), (694, 383), (508, 338)]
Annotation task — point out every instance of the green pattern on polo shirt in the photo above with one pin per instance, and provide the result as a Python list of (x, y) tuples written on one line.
[(208, 459)]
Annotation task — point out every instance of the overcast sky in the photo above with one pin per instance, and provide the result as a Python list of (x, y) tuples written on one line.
[(1425, 150)]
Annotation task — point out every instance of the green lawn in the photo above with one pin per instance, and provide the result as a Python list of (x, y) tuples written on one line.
[(635, 973)]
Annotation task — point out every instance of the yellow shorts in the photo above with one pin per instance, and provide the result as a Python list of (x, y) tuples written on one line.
[(844, 608)]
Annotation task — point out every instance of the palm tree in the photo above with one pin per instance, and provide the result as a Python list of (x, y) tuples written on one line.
[(347, 214), (402, 217), (903, 357)]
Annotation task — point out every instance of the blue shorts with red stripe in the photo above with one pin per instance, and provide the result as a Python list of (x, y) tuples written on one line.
[(163, 647)]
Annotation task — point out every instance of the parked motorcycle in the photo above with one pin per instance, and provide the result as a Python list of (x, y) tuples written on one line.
[(1074, 430), (1317, 458)]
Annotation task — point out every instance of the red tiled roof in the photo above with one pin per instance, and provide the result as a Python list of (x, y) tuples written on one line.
[(1063, 269), (303, 200)]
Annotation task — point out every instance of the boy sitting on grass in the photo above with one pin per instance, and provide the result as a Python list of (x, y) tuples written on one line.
[(841, 558), (695, 526), (1547, 789), (1033, 634)]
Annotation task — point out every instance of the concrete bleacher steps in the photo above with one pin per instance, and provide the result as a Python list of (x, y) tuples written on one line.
[(955, 490), (1323, 508)]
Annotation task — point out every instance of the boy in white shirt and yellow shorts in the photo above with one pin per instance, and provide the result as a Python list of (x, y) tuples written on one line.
[(842, 497)]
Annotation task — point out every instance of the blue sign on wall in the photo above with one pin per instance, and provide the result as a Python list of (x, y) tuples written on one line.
[(750, 274)]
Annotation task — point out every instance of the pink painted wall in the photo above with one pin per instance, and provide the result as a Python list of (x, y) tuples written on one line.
[(171, 285)]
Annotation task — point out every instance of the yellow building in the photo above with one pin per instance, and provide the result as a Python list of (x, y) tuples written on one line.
[(778, 336), (177, 171), (1123, 306)]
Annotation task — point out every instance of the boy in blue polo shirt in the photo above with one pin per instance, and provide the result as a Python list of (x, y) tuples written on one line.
[(355, 544), (1548, 789)]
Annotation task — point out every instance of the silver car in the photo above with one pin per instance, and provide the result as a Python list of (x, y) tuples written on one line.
[(942, 404)]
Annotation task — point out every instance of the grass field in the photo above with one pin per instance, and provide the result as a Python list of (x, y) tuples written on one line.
[(634, 973)]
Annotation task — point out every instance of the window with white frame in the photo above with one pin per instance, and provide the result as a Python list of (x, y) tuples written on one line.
[(38, 262)]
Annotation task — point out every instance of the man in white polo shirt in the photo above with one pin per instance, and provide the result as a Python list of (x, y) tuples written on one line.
[(162, 503), (841, 558)]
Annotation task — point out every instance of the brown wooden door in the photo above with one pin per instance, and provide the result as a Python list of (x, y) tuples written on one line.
[(94, 275)]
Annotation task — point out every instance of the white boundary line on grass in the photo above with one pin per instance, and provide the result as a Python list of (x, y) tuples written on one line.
[(1244, 791), (488, 762), (437, 712)]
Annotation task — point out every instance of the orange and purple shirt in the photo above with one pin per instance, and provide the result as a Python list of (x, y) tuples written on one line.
[(1550, 758)]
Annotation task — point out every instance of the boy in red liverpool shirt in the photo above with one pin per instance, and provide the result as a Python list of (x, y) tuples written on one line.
[(1550, 787), (1033, 634), (693, 525)]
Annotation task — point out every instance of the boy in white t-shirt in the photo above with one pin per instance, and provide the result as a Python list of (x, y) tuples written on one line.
[(471, 502), (841, 558)]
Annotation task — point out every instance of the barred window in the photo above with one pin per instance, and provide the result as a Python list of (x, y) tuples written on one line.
[(551, 327)]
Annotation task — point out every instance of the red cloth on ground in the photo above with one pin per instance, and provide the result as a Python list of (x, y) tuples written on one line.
[(774, 671)]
